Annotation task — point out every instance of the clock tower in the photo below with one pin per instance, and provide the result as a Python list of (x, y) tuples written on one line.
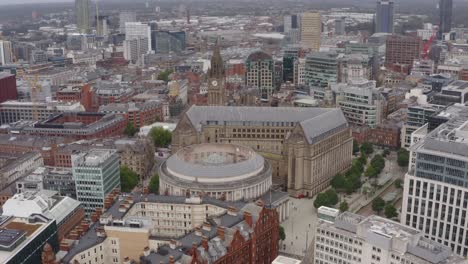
[(216, 80)]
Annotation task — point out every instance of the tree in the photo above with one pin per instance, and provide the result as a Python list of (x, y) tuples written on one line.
[(130, 129), (378, 205), (154, 184), (355, 147), (390, 211), (403, 158), (282, 234), (164, 75), (367, 148), (328, 198), (332, 196), (339, 182), (371, 172), (128, 179), (399, 183), (161, 137), (344, 206)]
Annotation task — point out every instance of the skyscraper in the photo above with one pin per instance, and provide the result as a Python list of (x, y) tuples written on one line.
[(445, 13), (311, 31), (290, 22), (384, 16), (138, 30), (82, 15), (125, 17), (6, 52)]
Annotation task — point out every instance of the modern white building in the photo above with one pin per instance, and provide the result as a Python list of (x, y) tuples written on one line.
[(350, 238), (361, 103), (96, 173), (138, 30), (125, 17), (134, 49), (435, 196), (6, 52), (299, 71)]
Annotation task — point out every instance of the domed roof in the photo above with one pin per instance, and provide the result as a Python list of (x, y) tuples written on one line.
[(259, 55)]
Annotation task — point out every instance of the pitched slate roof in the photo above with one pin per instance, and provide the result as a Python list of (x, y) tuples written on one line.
[(315, 122)]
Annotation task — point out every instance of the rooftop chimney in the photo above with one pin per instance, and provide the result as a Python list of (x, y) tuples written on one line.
[(220, 232), (248, 218)]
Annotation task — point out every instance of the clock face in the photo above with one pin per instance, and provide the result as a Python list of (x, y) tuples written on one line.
[(214, 83)]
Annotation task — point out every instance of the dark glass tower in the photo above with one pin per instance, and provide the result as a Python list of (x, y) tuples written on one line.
[(384, 16), (445, 13)]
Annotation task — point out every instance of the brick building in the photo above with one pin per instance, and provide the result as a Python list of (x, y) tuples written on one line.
[(386, 134), (77, 126), (7, 87), (83, 94), (139, 114), (19, 144), (402, 50)]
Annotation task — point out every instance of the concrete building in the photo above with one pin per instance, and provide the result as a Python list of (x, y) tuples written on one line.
[(322, 68), (300, 71), (8, 89), (454, 93), (24, 238), (384, 16), (96, 173), (166, 229), (59, 179), (355, 66), (138, 30), (134, 49), (222, 171), (351, 238), (66, 211), (76, 125), (260, 73), (6, 52), (291, 22), (125, 17), (362, 104), (287, 137), (417, 117), (311, 31), (16, 166), (435, 189), (82, 16)]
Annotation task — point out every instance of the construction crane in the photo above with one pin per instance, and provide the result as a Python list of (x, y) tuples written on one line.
[(35, 88), (428, 44)]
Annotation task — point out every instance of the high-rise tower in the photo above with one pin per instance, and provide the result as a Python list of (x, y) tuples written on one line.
[(384, 16), (82, 15), (445, 13), (216, 79), (311, 30)]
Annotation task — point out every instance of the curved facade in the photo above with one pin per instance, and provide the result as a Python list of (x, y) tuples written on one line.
[(221, 171)]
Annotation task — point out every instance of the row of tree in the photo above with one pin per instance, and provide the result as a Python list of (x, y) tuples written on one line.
[(130, 179), (375, 167), (379, 205), (350, 181)]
